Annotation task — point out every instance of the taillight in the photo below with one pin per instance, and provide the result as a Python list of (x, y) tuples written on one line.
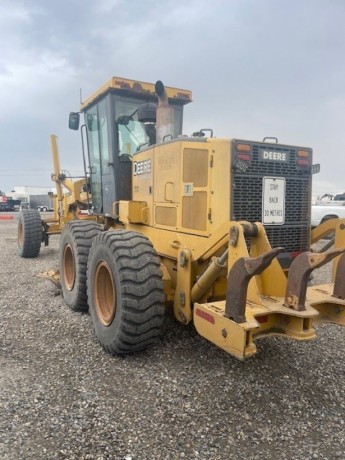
[(243, 147), (243, 156), (303, 158)]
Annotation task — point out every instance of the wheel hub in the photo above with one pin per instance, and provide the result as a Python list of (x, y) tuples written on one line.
[(20, 234), (69, 267), (105, 294)]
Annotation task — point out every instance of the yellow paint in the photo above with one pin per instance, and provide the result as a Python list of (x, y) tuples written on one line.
[(124, 85), (181, 202)]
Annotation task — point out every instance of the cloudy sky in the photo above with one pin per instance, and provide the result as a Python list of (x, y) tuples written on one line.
[(256, 68)]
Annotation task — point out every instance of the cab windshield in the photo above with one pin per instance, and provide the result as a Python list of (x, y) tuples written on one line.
[(132, 135)]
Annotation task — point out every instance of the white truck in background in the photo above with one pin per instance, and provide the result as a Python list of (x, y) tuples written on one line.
[(328, 207)]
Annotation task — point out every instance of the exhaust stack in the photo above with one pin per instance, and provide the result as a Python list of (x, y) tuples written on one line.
[(165, 115)]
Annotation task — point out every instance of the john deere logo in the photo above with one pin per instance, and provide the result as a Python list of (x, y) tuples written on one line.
[(271, 155), (141, 167)]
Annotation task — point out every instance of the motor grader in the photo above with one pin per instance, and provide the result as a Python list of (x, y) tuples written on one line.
[(217, 229)]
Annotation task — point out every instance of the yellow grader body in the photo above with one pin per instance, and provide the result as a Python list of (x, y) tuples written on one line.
[(201, 224), (184, 220)]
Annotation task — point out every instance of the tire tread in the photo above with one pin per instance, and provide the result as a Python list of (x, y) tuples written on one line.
[(142, 295), (31, 223), (82, 233)]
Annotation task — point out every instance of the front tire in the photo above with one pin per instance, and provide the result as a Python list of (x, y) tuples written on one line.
[(125, 291), (30, 233), (75, 244)]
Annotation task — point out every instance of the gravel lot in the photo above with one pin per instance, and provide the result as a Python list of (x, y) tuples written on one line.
[(62, 397)]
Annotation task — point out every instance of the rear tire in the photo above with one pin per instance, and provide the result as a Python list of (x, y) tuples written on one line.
[(125, 291), (30, 233), (75, 244)]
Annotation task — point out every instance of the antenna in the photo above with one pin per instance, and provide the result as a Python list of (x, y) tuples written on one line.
[(80, 96)]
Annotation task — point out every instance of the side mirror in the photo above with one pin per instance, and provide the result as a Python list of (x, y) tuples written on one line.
[(73, 122)]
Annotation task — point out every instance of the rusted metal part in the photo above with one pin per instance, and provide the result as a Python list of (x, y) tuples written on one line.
[(339, 282), (299, 274), (250, 229), (233, 236), (238, 279), (164, 115)]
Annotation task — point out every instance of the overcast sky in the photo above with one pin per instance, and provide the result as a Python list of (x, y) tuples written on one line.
[(256, 68)]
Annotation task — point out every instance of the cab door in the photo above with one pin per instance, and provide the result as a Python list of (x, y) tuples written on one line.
[(101, 174)]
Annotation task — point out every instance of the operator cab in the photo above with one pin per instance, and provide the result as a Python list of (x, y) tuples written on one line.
[(120, 120)]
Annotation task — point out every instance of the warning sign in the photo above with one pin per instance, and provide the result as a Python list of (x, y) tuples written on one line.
[(273, 201)]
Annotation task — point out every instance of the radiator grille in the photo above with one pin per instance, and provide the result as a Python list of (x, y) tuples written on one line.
[(246, 197)]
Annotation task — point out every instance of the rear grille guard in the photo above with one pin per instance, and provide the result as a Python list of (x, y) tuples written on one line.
[(246, 198)]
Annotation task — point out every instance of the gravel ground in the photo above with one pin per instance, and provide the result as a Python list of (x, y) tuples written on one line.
[(62, 397)]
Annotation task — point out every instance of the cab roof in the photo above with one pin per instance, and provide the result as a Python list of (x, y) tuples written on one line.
[(126, 87)]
